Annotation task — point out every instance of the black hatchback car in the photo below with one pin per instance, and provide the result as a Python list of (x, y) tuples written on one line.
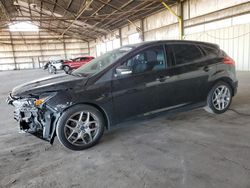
[(134, 80)]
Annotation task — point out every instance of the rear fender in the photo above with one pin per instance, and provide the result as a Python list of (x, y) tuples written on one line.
[(224, 76)]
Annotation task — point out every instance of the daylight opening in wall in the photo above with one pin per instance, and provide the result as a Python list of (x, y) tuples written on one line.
[(24, 27)]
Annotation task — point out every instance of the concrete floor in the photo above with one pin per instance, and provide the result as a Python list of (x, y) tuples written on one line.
[(190, 149)]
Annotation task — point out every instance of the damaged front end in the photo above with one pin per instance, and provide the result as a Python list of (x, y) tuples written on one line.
[(35, 116)]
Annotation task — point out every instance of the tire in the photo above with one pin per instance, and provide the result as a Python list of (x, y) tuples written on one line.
[(80, 135), (219, 98), (66, 69)]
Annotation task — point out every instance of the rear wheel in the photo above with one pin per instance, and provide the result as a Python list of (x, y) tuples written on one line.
[(80, 127), (219, 98)]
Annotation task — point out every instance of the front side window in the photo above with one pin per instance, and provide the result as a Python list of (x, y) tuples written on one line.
[(100, 63), (186, 53), (151, 59)]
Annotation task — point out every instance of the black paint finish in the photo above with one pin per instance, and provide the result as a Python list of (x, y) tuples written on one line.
[(178, 84)]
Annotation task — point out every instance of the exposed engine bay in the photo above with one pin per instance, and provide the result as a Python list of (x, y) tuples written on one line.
[(39, 103), (34, 116)]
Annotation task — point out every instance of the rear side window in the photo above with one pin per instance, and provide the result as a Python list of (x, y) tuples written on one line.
[(213, 52), (186, 53)]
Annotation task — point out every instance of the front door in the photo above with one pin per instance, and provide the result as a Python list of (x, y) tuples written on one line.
[(135, 87)]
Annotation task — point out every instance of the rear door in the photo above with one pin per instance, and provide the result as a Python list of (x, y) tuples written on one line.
[(192, 71), (187, 75)]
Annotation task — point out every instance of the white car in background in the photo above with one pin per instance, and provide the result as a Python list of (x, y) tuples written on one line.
[(54, 66)]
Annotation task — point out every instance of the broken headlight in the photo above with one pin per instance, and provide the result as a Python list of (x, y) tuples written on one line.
[(43, 98)]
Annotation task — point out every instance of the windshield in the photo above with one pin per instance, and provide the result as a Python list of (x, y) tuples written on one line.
[(101, 62)]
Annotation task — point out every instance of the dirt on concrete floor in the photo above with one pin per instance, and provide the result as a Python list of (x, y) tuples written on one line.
[(190, 149)]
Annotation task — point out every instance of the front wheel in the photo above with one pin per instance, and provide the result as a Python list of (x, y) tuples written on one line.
[(80, 127), (219, 98)]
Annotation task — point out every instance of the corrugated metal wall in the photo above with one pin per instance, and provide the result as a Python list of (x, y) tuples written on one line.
[(226, 23), (234, 40), (223, 22), (32, 50)]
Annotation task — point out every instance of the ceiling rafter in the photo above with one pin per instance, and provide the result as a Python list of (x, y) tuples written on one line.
[(82, 19), (10, 19), (43, 14), (49, 30), (66, 10), (55, 17), (137, 12), (83, 7), (72, 31), (107, 24), (124, 5)]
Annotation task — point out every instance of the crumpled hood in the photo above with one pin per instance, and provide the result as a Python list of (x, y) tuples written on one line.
[(51, 83)]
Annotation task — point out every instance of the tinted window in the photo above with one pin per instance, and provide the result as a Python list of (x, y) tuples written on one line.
[(84, 58), (211, 51), (148, 60), (186, 53)]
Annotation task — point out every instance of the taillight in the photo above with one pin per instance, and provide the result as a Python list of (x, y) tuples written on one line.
[(228, 60)]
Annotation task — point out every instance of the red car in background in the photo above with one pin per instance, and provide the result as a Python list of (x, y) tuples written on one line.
[(76, 63)]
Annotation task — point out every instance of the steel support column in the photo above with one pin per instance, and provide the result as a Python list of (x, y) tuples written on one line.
[(142, 30), (13, 51), (179, 18), (64, 48), (120, 35), (88, 49)]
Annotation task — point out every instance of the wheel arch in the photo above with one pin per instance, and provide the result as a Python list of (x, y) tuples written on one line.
[(227, 80), (65, 66)]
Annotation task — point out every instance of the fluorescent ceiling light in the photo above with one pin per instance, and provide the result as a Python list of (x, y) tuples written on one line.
[(23, 26)]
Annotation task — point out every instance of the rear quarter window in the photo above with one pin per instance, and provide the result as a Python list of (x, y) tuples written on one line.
[(210, 51)]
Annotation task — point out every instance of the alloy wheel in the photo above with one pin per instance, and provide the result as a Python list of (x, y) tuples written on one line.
[(221, 97), (82, 128)]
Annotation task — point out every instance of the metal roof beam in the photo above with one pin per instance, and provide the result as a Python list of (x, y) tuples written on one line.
[(84, 6)]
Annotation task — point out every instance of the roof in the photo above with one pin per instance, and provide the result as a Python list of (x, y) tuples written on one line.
[(171, 41), (85, 19)]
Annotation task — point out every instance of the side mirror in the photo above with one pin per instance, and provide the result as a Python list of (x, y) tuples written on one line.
[(123, 71)]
